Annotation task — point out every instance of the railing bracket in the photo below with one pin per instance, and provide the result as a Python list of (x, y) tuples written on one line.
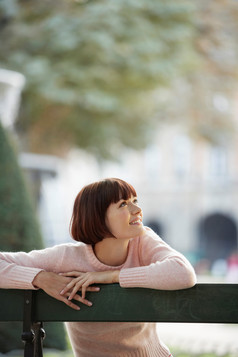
[(33, 332)]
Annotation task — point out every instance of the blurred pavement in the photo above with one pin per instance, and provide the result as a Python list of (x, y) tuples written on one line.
[(201, 338)]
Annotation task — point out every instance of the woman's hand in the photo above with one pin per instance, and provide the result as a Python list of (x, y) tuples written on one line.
[(53, 284), (82, 281)]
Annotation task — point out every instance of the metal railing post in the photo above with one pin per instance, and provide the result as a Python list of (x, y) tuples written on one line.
[(33, 332)]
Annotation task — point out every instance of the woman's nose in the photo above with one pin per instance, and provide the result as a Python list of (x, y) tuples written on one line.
[(135, 209)]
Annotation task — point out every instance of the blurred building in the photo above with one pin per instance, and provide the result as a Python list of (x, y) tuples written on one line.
[(43, 173), (196, 195)]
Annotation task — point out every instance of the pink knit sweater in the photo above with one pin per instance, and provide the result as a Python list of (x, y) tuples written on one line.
[(150, 263)]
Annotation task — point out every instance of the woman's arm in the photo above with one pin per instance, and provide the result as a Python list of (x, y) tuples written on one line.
[(37, 269), (17, 270), (162, 267)]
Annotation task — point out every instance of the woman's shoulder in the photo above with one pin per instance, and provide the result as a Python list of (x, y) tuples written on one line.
[(149, 234), (65, 247), (148, 238), (152, 240)]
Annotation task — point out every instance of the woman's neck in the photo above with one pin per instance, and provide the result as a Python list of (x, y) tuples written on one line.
[(112, 251)]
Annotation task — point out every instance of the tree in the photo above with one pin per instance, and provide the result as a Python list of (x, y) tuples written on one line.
[(213, 99), (18, 226), (203, 101), (19, 230), (92, 68)]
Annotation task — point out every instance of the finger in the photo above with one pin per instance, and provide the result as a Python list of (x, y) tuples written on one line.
[(74, 292), (90, 288), (74, 296), (71, 273), (69, 286), (70, 304), (64, 291), (93, 288), (80, 299), (84, 288)]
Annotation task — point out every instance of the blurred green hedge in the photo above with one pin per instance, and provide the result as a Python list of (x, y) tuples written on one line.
[(19, 230)]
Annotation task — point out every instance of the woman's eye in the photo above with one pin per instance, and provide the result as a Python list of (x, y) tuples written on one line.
[(123, 204), (135, 201)]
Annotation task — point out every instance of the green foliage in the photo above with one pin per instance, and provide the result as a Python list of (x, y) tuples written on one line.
[(92, 67), (204, 101), (10, 336), (55, 336), (19, 230)]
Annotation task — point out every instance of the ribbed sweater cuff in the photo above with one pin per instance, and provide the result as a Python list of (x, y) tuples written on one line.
[(133, 277), (23, 279)]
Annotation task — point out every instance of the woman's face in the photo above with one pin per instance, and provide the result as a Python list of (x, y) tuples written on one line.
[(124, 218)]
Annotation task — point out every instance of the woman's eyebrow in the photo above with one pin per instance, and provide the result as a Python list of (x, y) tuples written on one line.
[(122, 199)]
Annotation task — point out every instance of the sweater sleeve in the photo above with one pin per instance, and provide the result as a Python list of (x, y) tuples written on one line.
[(161, 267), (18, 270)]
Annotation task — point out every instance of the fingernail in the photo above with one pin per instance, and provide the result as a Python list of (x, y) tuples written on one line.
[(62, 292), (78, 308), (90, 303)]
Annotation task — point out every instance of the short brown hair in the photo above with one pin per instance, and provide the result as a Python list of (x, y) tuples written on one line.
[(90, 206)]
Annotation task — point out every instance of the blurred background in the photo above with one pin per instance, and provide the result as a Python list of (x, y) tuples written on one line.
[(142, 90)]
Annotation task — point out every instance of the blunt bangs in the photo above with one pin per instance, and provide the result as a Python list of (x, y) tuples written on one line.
[(119, 190)]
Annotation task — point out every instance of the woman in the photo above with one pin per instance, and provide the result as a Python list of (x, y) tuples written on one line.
[(112, 246)]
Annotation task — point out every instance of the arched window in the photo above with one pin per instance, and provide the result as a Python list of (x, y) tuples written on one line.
[(217, 236)]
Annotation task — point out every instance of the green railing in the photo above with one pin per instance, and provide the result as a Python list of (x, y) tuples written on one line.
[(204, 303)]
